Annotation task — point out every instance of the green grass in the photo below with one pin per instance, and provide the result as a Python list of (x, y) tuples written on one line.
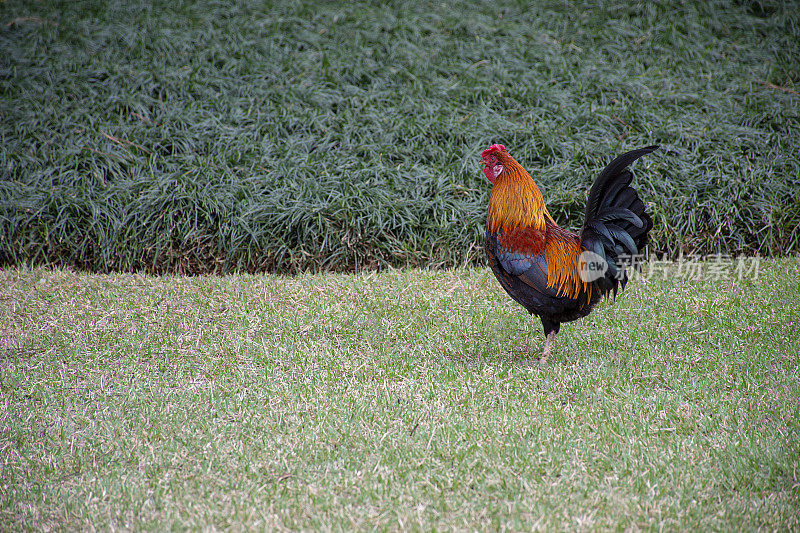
[(407, 399), (285, 136)]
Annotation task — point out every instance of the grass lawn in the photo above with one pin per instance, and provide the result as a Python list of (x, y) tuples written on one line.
[(404, 399)]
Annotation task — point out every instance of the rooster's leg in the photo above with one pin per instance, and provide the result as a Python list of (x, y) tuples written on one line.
[(548, 345)]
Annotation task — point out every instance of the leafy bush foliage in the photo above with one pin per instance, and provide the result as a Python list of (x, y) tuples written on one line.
[(208, 137)]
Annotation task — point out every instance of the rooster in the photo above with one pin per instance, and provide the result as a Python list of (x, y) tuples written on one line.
[(554, 273)]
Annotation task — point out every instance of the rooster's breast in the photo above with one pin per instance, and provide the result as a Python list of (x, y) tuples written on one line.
[(524, 278)]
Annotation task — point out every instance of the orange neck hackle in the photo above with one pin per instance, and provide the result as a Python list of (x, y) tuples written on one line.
[(515, 202)]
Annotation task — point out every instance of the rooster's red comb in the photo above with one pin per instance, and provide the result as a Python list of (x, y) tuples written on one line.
[(493, 148)]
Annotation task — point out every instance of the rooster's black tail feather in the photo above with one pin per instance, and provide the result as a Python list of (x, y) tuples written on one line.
[(616, 226)]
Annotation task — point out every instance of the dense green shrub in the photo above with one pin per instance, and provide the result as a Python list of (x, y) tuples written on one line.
[(197, 137)]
